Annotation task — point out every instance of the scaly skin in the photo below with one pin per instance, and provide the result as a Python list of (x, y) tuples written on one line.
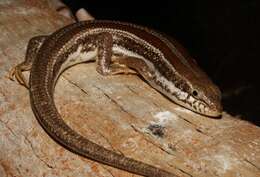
[(162, 62)]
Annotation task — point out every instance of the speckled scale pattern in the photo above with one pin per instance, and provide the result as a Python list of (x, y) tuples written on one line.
[(156, 58), (42, 79)]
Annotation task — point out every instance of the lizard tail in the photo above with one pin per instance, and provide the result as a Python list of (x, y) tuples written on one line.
[(49, 118)]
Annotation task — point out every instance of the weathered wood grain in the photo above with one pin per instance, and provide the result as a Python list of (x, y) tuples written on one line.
[(119, 112)]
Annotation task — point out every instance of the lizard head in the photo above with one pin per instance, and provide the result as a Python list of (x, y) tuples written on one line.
[(187, 84), (204, 98), (193, 89), (198, 94)]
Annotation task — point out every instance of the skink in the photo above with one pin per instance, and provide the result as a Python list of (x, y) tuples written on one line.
[(160, 60)]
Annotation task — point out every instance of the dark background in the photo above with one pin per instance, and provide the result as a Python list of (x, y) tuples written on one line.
[(221, 36)]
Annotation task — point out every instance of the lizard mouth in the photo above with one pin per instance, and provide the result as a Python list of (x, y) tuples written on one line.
[(213, 110), (213, 113)]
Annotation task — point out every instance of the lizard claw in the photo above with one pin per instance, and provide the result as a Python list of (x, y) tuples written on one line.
[(115, 69), (11, 74), (16, 72)]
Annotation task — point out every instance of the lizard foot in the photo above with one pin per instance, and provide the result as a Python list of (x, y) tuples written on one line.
[(117, 68), (114, 69), (16, 72)]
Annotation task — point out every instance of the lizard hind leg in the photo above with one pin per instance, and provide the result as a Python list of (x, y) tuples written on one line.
[(32, 49)]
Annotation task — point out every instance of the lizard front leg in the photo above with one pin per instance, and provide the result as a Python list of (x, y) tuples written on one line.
[(32, 49), (105, 65)]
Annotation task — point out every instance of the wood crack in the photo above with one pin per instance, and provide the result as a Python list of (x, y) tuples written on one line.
[(136, 93), (76, 85), (252, 164), (109, 171), (36, 155), (181, 170), (115, 102), (195, 126), (6, 126), (19, 171), (150, 141), (110, 144)]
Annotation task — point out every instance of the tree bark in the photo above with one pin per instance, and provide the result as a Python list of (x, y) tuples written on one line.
[(121, 113)]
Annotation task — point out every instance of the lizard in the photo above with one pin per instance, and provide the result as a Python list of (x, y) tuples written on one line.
[(159, 59)]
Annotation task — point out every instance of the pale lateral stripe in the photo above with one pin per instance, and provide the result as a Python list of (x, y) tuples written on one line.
[(122, 50)]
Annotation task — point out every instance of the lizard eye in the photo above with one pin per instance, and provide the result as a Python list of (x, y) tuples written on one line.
[(194, 93)]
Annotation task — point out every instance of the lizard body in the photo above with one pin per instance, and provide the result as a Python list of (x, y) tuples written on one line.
[(161, 61)]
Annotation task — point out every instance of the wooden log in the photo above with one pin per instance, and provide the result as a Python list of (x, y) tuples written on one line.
[(121, 113)]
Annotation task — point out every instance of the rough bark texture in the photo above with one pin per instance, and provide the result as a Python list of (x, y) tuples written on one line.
[(119, 112)]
